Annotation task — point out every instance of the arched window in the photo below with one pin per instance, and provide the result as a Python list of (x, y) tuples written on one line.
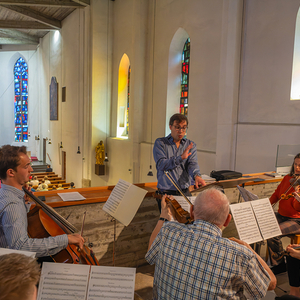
[(128, 97), (295, 87), (185, 62), (177, 55), (21, 100), (123, 97)]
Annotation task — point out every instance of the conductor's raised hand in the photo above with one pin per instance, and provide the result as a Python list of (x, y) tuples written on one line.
[(186, 153), (76, 239)]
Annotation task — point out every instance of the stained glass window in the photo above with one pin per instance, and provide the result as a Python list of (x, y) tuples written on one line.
[(128, 97), (185, 78), (21, 100)]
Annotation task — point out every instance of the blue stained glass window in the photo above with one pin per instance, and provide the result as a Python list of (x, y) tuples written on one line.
[(185, 66), (21, 100)]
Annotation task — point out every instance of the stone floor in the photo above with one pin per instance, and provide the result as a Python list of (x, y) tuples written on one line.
[(144, 281)]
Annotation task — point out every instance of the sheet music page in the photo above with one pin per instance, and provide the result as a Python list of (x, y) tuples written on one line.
[(116, 196), (71, 196), (124, 201), (63, 281), (266, 218), (245, 222), (183, 203), (111, 283)]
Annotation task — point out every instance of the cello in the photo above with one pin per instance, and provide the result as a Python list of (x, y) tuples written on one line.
[(44, 221)]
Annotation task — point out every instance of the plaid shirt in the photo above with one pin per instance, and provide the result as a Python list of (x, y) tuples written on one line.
[(195, 262)]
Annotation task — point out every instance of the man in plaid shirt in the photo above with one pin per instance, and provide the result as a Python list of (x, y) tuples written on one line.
[(195, 262)]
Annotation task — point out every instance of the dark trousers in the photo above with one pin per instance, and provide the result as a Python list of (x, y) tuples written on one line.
[(186, 192), (293, 268), (287, 226)]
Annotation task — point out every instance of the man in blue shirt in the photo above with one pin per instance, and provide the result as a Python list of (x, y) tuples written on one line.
[(15, 168), (177, 155)]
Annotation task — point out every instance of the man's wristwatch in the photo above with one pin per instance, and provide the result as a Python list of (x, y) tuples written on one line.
[(163, 219)]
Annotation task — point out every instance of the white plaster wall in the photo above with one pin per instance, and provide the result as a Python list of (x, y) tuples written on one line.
[(267, 117), (62, 56), (127, 35), (213, 73)]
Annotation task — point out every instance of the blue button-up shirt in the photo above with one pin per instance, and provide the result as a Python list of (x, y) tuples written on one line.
[(168, 158)]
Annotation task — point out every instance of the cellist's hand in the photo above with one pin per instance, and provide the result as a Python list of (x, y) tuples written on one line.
[(76, 239)]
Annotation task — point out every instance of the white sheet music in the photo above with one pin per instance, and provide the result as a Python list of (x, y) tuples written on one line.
[(63, 282), (83, 282), (111, 283), (124, 201), (255, 220), (183, 203), (245, 222), (266, 218), (71, 196), (116, 196)]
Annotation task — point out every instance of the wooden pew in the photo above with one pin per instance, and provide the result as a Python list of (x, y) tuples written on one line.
[(41, 173)]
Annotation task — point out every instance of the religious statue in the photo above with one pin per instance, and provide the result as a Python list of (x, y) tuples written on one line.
[(100, 150)]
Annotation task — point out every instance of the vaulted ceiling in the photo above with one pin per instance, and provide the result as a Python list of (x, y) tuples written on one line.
[(25, 21)]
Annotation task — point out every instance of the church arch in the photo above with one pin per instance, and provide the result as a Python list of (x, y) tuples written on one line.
[(123, 97)]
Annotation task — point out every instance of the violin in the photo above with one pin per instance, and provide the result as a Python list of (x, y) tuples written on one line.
[(181, 215), (44, 221), (285, 197), (293, 183)]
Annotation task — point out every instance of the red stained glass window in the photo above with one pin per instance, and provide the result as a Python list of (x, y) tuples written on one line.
[(185, 78)]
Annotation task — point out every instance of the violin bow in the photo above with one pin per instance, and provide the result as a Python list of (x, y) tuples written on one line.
[(177, 187)]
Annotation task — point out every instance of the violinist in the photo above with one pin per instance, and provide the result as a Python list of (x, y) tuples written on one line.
[(288, 214), (178, 155), (195, 262), (15, 170)]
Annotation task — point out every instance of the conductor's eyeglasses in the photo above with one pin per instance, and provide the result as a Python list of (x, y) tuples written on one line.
[(178, 128)]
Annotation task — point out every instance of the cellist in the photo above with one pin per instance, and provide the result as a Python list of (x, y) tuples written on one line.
[(15, 168)]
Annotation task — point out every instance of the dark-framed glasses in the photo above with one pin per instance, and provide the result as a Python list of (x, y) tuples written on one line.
[(178, 128)]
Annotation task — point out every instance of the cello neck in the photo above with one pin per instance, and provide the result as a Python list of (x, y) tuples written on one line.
[(51, 212)]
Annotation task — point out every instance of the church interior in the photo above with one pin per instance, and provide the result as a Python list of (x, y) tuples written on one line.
[(110, 71), (239, 104)]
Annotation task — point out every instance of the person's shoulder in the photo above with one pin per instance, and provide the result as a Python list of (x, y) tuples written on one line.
[(237, 249), (175, 227), (163, 140)]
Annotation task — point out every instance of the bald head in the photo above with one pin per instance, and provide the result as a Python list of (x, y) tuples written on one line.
[(212, 206)]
